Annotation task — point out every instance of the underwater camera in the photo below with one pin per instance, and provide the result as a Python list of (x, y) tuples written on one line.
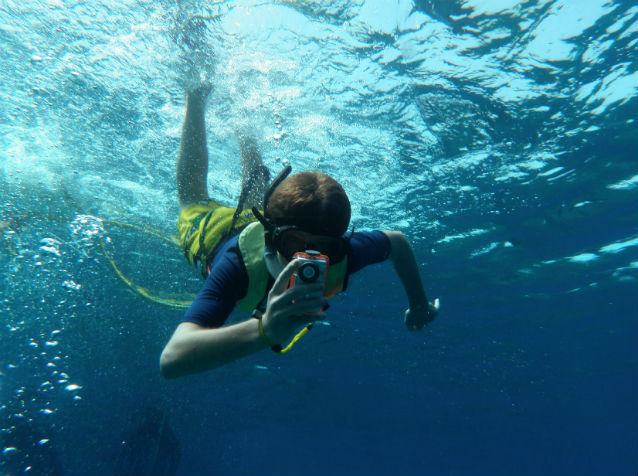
[(313, 269)]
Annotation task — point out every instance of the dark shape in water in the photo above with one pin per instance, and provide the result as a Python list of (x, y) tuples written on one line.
[(151, 449)]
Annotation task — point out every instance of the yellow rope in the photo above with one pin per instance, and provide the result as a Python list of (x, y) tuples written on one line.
[(159, 234), (178, 303), (136, 288)]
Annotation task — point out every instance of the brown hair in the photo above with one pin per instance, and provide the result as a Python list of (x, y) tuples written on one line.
[(313, 201)]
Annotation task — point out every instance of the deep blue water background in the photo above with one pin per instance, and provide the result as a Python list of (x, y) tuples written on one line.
[(499, 137)]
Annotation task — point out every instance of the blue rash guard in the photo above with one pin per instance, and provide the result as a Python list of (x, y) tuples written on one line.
[(227, 282)]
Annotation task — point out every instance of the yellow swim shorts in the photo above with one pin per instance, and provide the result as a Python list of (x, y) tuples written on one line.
[(201, 227)]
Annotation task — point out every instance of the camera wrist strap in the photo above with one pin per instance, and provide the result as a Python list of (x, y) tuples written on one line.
[(277, 348)]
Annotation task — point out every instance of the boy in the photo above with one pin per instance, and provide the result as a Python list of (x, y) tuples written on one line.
[(247, 258)]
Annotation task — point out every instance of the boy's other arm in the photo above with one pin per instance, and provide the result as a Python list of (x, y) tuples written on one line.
[(421, 311)]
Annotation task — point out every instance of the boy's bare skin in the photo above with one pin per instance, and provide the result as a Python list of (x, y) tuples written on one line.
[(192, 162)]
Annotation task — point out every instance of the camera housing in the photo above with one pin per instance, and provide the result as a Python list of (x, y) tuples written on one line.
[(313, 269)]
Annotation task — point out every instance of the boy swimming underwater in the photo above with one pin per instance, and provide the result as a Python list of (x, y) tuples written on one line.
[(247, 255)]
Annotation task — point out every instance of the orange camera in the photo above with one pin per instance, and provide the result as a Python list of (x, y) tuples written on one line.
[(313, 269)]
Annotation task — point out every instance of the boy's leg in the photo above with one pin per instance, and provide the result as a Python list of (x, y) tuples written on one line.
[(255, 177), (192, 164)]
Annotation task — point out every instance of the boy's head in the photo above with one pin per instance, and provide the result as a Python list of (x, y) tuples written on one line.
[(312, 201)]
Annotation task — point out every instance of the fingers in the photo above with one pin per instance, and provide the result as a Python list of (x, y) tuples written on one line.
[(433, 310), (297, 299), (306, 312), (304, 291), (284, 314), (416, 320), (281, 283)]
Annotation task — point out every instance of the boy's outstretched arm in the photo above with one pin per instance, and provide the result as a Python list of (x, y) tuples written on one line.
[(194, 348), (421, 311)]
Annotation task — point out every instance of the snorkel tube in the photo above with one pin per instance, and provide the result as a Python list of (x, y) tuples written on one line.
[(269, 227)]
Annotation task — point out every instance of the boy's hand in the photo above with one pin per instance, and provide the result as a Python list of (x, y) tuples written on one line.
[(419, 316), (288, 308)]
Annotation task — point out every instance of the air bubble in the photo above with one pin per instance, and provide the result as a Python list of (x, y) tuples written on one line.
[(70, 284)]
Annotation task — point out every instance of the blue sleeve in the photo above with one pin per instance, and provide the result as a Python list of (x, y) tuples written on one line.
[(226, 284), (367, 248)]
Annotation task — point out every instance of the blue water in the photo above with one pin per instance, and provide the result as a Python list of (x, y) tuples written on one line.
[(499, 136)]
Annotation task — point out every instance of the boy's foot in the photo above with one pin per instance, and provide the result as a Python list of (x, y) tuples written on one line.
[(200, 93)]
